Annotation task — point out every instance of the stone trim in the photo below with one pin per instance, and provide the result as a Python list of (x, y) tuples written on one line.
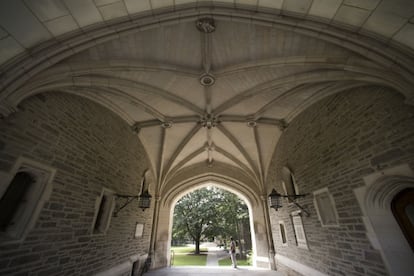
[(382, 228), (106, 210), (246, 192), (320, 211), (283, 234), (124, 268), (36, 197), (299, 267)]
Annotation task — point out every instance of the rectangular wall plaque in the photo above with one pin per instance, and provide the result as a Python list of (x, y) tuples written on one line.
[(325, 208), (139, 229)]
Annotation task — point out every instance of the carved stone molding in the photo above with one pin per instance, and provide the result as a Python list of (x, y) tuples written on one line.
[(382, 229), (251, 123), (381, 194), (136, 128), (167, 124), (206, 25), (207, 79), (209, 121)]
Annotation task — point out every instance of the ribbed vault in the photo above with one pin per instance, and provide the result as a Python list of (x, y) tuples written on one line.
[(209, 93)]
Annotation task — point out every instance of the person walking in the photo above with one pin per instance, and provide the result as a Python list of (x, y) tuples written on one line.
[(233, 252)]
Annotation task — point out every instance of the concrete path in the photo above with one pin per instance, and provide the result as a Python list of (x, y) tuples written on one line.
[(212, 259), (214, 254)]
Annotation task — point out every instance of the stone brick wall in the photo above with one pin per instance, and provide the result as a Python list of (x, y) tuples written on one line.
[(333, 144), (91, 148)]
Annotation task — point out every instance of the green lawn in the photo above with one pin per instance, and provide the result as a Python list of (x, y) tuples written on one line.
[(189, 259), (182, 249), (184, 255)]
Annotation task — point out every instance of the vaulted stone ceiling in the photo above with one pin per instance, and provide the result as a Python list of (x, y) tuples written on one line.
[(207, 86)]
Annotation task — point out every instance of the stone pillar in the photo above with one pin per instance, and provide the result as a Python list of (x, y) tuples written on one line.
[(260, 238), (162, 237)]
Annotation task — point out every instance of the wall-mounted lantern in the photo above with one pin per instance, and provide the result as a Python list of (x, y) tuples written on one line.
[(144, 199), (275, 200)]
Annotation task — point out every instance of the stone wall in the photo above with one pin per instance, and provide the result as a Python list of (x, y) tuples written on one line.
[(334, 144), (91, 148)]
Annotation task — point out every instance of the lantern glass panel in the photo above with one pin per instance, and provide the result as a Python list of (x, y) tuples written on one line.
[(274, 200), (144, 200)]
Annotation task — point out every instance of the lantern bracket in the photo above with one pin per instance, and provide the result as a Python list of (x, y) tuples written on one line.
[(127, 199), (274, 200)]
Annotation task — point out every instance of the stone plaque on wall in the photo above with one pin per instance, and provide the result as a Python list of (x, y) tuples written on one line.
[(325, 207), (139, 229)]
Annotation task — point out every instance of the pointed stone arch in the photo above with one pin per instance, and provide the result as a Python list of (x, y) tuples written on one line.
[(382, 228), (259, 225)]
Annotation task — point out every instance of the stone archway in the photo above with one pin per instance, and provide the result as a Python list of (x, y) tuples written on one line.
[(222, 187), (382, 228), (259, 225)]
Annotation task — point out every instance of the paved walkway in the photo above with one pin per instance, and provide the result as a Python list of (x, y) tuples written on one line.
[(212, 259), (214, 254)]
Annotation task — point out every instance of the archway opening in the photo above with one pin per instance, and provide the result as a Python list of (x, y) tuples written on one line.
[(383, 230), (204, 218), (402, 207)]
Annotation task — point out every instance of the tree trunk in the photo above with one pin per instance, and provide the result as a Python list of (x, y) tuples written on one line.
[(197, 246), (240, 235), (238, 238)]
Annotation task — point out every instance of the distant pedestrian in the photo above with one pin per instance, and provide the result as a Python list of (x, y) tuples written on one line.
[(233, 252)]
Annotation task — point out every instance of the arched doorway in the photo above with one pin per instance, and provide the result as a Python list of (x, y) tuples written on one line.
[(383, 230), (207, 218), (402, 207), (259, 225)]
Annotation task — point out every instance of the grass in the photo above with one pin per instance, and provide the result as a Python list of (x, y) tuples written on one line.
[(189, 259), (182, 249), (184, 255)]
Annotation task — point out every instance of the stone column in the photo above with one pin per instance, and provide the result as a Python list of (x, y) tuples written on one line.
[(162, 237), (260, 237)]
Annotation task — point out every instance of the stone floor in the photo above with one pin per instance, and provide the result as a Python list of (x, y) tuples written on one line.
[(208, 271)]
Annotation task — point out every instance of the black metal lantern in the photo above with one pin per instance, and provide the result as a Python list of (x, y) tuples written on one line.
[(276, 203), (144, 200), (274, 200)]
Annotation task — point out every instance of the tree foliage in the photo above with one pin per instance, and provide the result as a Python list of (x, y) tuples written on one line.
[(207, 213)]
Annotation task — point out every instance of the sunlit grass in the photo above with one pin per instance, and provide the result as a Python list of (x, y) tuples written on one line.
[(189, 259), (184, 255), (182, 249), (187, 249)]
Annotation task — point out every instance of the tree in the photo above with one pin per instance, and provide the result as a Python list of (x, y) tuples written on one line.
[(208, 212), (235, 218)]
